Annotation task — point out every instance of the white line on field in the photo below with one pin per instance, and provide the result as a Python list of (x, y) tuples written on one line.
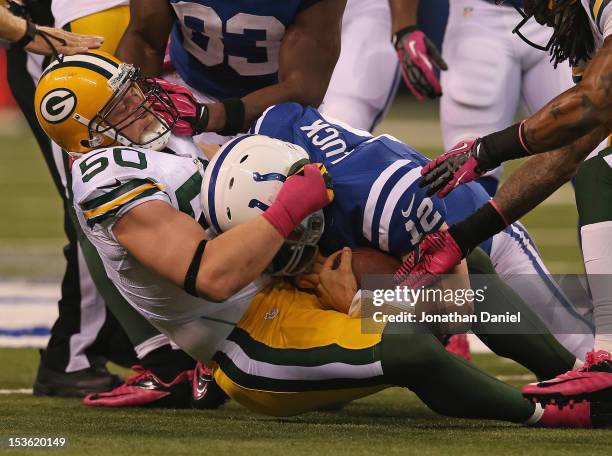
[(516, 377), (16, 391)]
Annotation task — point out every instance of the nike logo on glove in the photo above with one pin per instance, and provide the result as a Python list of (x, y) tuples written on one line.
[(462, 146), (424, 58), (459, 179)]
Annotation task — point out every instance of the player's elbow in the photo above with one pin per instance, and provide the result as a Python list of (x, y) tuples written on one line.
[(218, 279), (308, 81), (216, 284), (307, 90)]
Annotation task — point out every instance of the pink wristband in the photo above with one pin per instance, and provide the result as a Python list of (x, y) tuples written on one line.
[(521, 139), (280, 219)]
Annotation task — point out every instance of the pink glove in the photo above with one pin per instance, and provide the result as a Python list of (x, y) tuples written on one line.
[(457, 166), (304, 192), (179, 108), (436, 254), (418, 55)]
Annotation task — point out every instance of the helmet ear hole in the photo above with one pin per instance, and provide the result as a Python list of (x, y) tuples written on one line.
[(243, 159), (229, 213), (231, 183)]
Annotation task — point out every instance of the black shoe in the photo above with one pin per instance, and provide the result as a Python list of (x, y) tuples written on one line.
[(206, 394), (96, 379)]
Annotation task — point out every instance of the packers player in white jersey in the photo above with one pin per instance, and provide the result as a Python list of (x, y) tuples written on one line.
[(275, 349), (568, 128)]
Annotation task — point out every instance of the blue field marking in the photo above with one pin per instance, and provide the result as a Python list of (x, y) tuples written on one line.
[(39, 331)]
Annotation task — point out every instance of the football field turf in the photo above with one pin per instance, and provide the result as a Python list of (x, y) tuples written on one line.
[(391, 422)]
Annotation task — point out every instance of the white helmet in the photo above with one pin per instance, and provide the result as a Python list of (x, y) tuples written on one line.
[(241, 182)]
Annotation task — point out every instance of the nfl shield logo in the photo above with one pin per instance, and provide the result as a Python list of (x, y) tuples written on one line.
[(271, 314)]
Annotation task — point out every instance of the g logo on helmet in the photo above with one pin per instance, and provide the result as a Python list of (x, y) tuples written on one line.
[(57, 105)]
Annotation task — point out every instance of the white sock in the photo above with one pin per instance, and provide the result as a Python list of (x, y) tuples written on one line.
[(152, 343), (578, 364), (603, 342), (597, 253), (537, 415)]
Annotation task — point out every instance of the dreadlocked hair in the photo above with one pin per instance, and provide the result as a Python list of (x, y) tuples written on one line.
[(572, 37)]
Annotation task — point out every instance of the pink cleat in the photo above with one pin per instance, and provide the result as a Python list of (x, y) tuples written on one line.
[(572, 416), (145, 389), (459, 345), (206, 394), (592, 382)]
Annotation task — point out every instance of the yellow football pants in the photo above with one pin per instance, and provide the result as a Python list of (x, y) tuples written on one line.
[(288, 355), (110, 24)]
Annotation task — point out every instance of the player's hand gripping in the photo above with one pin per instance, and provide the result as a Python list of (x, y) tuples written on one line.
[(337, 285), (418, 55), (436, 254), (459, 165), (180, 109), (304, 192)]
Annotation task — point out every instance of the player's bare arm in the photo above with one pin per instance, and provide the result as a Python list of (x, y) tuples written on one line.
[(144, 42), (44, 40), (543, 174), (164, 240), (308, 54), (584, 110), (403, 13), (578, 111)]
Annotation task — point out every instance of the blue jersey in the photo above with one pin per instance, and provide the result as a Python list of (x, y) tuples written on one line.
[(378, 202), (230, 48)]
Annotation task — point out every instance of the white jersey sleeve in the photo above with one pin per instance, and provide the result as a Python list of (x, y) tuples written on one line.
[(606, 20), (600, 18)]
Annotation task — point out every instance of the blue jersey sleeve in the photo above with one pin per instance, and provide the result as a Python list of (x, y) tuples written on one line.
[(398, 213)]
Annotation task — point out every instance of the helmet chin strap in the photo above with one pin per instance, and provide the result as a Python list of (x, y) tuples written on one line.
[(97, 140)]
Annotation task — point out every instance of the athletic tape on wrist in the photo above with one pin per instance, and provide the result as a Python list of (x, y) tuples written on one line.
[(234, 116), (30, 34), (192, 272)]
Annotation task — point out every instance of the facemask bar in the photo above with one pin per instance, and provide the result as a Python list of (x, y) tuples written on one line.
[(150, 93), (302, 251)]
